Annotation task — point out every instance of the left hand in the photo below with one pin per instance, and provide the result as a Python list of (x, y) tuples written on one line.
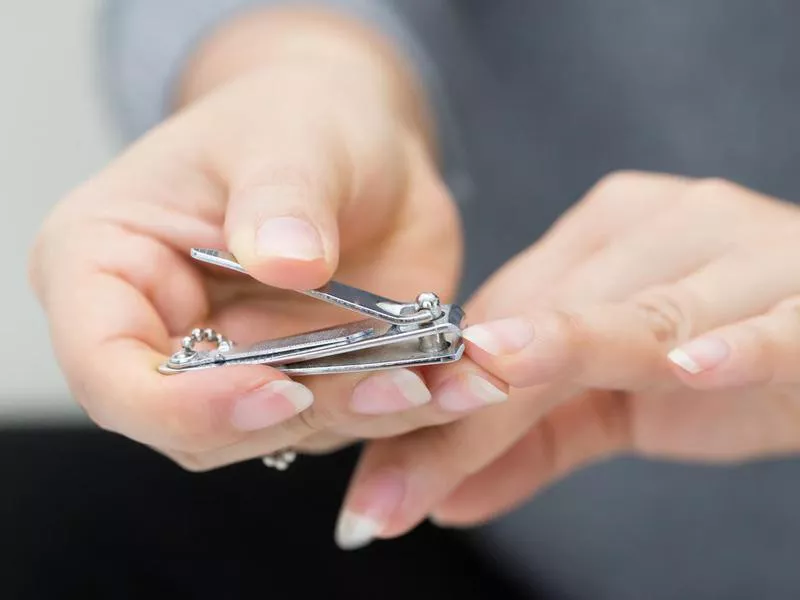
[(660, 316)]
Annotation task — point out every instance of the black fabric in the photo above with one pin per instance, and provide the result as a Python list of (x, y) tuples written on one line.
[(89, 515)]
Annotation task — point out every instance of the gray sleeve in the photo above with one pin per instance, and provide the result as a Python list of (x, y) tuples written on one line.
[(145, 44)]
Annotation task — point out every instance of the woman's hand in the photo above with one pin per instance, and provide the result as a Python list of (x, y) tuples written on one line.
[(302, 146), (660, 316)]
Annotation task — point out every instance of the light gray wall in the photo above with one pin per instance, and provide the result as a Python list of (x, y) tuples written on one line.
[(53, 134)]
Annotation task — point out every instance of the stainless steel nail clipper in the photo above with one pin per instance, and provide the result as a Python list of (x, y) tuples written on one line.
[(394, 334)]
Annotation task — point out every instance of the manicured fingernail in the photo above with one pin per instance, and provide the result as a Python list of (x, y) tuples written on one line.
[(700, 355), (388, 392), (369, 510), (468, 393), (355, 531), (506, 336), (290, 238), (433, 519), (273, 403), (442, 523)]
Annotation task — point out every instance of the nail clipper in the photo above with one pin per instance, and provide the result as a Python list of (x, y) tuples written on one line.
[(394, 334)]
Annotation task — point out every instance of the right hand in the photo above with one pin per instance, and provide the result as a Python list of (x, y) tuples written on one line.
[(302, 168)]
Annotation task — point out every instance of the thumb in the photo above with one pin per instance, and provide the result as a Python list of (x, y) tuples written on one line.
[(281, 221), (304, 175)]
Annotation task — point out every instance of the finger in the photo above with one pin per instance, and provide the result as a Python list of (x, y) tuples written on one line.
[(400, 479), (347, 403), (666, 250), (635, 363), (596, 426), (298, 173), (471, 390), (605, 346), (113, 373), (365, 406), (612, 208), (615, 205), (622, 345), (763, 350), (109, 337), (589, 428)]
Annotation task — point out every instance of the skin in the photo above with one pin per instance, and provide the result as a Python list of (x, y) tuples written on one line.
[(660, 317), (297, 119), (311, 120)]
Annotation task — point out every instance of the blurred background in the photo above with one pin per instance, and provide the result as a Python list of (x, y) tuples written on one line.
[(54, 132)]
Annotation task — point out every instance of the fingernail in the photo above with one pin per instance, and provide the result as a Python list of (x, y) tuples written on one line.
[(388, 392), (700, 355), (467, 393), (369, 510), (273, 403), (290, 238), (436, 521), (506, 336), (355, 531)]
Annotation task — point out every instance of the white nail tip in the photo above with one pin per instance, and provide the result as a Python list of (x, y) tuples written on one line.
[(684, 361), (482, 338), (299, 395), (486, 391), (434, 520), (354, 531), (411, 386)]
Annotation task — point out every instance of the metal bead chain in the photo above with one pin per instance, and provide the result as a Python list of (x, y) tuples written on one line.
[(202, 335), (187, 352), (279, 460)]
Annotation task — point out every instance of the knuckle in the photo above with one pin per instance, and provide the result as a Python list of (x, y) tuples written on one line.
[(667, 313), (55, 240), (616, 185), (739, 216), (292, 178), (98, 412), (565, 330), (711, 188), (316, 419), (557, 354), (716, 195), (43, 249)]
